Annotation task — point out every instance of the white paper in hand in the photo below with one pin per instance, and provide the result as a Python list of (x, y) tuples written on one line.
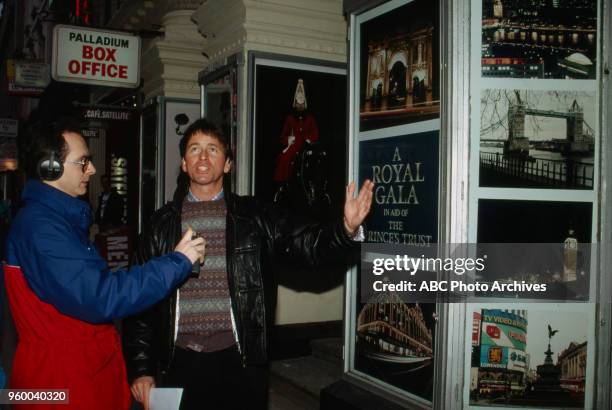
[(165, 398)]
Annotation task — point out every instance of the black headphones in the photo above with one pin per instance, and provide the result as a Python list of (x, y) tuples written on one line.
[(50, 168)]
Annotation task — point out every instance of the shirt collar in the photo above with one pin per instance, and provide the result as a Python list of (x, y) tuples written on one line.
[(192, 198)]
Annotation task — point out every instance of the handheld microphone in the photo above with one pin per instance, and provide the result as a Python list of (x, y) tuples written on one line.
[(195, 268)]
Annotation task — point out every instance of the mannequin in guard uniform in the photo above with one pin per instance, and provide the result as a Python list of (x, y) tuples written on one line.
[(300, 126)]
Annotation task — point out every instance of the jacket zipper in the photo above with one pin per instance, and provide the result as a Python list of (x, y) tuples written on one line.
[(235, 332), (175, 324)]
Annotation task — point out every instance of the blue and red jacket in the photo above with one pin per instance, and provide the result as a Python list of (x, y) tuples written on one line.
[(63, 297)]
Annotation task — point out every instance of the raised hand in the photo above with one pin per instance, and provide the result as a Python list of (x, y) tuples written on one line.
[(356, 209)]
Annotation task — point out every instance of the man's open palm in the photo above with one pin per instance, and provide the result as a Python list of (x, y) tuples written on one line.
[(357, 208)]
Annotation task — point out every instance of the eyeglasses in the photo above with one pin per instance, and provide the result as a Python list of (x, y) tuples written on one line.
[(84, 162)]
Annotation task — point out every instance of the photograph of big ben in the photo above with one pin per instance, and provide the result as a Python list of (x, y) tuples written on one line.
[(511, 225)]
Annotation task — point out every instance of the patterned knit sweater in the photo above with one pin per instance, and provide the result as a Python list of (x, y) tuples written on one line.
[(205, 323)]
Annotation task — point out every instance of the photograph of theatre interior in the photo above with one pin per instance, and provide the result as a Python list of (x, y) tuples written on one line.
[(300, 205)]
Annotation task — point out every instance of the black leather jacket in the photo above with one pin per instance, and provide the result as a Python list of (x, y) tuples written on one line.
[(256, 232)]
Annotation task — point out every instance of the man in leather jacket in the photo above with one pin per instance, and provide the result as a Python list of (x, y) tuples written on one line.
[(210, 337)]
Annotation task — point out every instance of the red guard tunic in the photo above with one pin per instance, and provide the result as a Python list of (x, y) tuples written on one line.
[(82, 357), (302, 127)]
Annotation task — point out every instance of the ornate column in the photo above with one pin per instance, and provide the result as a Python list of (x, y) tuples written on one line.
[(314, 29), (170, 62)]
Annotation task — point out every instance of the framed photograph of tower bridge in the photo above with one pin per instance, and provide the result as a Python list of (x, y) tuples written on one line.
[(399, 76), (539, 39), (537, 139), (533, 356)]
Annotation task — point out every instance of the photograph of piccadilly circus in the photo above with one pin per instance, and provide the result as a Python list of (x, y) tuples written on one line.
[(528, 358), (539, 38)]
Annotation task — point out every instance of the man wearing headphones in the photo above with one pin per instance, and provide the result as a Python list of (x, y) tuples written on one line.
[(62, 294)]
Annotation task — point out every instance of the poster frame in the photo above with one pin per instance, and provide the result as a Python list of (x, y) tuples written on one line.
[(167, 187), (597, 392), (257, 58), (232, 70), (604, 312), (443, 396), (553, 312)]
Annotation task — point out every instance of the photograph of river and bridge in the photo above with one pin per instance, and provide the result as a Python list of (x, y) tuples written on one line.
[(539, 39), (537, 139)]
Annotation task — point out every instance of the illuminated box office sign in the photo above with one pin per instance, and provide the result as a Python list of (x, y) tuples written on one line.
[(98, 57)]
